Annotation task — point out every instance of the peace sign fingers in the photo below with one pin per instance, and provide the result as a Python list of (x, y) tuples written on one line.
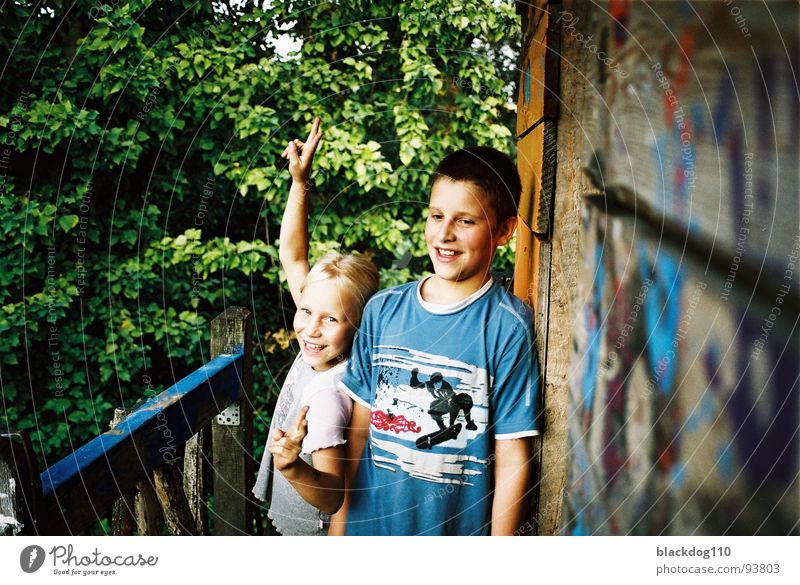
[(300, 426), (301, 154), (287, 445)]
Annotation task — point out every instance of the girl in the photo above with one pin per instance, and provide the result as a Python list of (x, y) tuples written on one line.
[(306, 442)]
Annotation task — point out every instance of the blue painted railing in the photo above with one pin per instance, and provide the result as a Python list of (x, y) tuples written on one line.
[(84, 485)]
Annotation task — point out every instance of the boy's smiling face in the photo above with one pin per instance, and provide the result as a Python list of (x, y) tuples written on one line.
[(462, 235)]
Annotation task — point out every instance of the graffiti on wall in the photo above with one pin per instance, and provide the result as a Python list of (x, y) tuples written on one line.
[(685, 382)]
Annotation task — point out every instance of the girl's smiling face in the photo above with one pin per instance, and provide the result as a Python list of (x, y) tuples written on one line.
[(324, 323)]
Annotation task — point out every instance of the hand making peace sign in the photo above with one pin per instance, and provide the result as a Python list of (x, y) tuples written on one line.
[(286, 446), (301, 154)]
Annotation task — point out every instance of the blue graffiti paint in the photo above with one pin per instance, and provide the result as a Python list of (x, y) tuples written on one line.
[(708, 408), (702, 415), (711, 363), (662, 307), (767, 445), (692, 423), (579, 498), (594, 330), (721, 116), (698, 117), (724, 463), (579, 529), (528, 84), (678, 476)]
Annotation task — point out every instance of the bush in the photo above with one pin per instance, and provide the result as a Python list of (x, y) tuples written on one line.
[(142, 184)]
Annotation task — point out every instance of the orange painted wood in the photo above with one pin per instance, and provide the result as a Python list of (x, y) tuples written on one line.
[(531, 97), (529, 165)]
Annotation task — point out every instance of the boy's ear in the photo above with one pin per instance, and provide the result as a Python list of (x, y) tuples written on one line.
[(506, 230)]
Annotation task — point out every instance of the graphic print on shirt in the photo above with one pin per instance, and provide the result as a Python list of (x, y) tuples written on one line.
[(285, 400), (432, 406)]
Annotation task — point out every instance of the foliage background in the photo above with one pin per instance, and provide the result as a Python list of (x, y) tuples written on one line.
[(141, 184)]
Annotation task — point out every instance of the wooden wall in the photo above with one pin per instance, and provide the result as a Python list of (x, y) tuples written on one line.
[(659, 242)]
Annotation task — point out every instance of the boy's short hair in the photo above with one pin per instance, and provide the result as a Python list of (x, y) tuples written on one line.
[(491, 170), (355, 272)]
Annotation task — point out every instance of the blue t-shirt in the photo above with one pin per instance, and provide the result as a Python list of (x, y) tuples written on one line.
[(442, 383)]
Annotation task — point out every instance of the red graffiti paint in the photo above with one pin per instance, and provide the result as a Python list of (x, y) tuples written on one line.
[(620, 13), (684, 72), (389, 422)]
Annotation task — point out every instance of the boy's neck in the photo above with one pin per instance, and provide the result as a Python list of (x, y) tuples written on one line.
[(438, 291)]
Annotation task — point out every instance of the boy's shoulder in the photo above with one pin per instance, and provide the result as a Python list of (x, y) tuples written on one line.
[(394, 293), (511, 306)]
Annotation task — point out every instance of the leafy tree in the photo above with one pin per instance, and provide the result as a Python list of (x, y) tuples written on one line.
[(142, 184)]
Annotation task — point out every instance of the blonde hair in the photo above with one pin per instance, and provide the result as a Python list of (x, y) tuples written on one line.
[(356, 273)]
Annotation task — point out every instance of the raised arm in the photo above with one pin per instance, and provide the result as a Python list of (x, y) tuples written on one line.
[(357, 435), (293, 251)]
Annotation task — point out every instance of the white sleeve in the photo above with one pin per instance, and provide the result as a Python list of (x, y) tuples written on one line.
[(328, 416)]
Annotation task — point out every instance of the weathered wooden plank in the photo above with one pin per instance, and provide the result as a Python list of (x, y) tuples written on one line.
[(232, 444), (542, 212), (146, 509), (541, 327), (168, 483), (85, 484), (563, 255), (19, 485), (195, 463), (10, 514), (122, 520)]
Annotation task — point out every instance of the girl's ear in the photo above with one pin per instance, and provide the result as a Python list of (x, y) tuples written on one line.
[(506, 230)]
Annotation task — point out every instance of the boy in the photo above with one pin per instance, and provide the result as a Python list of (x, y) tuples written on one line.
[(443, 374)]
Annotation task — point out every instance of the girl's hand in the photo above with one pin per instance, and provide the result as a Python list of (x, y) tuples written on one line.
[(301, 154), (286, 446)]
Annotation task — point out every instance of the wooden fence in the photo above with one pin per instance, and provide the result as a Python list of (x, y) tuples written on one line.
[(154, 460)]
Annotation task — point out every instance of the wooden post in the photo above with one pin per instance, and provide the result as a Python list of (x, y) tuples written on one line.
[(138, 508), (146, 510), (19, 486), (122, 521), (559, 264), (174, 505), (537, 148), (232, 441), (195, 465), (10, 521)]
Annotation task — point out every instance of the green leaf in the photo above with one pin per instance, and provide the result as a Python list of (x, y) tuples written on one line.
[(67, 222), (130, 236)]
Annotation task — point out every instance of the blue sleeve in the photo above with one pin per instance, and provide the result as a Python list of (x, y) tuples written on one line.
[(357, 379), (515, 392)]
